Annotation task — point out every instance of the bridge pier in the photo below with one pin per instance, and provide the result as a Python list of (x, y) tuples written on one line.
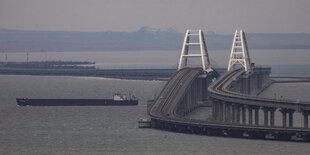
[(252, 83), (237, 113), (233, 113), (250, 115), (265, 116), (228, 112), (243, 114), (220, 111), (224, 111), (215, 109), (283, 118), (272, 110), (290, 117), (290, 113), (188, 87), (305, 114), (256, 109)]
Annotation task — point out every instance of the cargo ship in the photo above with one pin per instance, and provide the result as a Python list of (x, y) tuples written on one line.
[(118, 99)]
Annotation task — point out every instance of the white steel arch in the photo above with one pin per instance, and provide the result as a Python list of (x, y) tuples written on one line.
[(239, 52), (185, 48)]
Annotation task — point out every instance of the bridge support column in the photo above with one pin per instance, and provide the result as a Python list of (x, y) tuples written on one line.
[(256, 109), (290, 118), (220, 113), (272, 110), (305, 114), (284, 112), (250, 110), (283, 117), (243, 115), (233, 114), (265, 116), (237, 113), (306, 121), (227, 112), (215, 109)]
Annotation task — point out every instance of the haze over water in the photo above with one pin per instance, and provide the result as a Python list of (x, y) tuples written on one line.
[(294, 61), (113, 129)]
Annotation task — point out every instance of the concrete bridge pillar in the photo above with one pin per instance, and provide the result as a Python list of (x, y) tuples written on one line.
[(272, 110), (225, 107), (228, 112), (268, 110), (256, 109), (215, 109), (305, 114), (243, 115), (220, 113), (283, 117), (237, 113), (284, 112), (224, 112), (265, 116), (290, 118), (233, 113), (250, 115)]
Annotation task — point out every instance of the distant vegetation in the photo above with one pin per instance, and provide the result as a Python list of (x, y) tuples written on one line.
[(143, 39)]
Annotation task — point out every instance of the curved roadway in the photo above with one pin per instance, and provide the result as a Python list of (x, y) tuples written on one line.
[(172, 94), (163, 112), (218, 90)]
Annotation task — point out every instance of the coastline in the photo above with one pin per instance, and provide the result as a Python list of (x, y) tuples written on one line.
[(129, 74)]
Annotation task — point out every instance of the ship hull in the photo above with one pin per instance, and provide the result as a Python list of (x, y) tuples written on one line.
[(73, 102)]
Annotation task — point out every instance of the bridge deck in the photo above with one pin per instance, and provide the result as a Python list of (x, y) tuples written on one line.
[(163, 112)]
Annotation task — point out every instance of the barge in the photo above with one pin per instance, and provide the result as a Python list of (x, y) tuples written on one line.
[(118, 99)]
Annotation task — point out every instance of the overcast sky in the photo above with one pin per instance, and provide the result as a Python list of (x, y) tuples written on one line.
[(221, 16)]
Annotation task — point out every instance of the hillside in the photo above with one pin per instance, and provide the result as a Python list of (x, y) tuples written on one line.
[(143, 39)]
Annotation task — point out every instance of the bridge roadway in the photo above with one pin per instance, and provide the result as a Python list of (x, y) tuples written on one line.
[(174, 90), (218, 90), (163, 112)]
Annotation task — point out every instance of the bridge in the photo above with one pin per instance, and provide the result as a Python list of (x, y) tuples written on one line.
[(237, 111)]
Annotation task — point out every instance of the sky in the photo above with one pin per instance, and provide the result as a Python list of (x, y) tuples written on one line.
[(220, 16)]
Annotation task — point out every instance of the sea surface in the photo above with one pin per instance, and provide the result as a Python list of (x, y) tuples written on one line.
[(114, 129)]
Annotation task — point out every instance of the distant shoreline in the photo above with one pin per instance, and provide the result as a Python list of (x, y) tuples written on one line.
[(130, 74)]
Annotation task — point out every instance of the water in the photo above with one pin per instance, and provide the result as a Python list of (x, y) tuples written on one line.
[(292, 91), (284, 62), (113, 129)]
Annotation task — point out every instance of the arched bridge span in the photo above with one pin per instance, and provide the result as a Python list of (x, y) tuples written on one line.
[(232, 111)]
